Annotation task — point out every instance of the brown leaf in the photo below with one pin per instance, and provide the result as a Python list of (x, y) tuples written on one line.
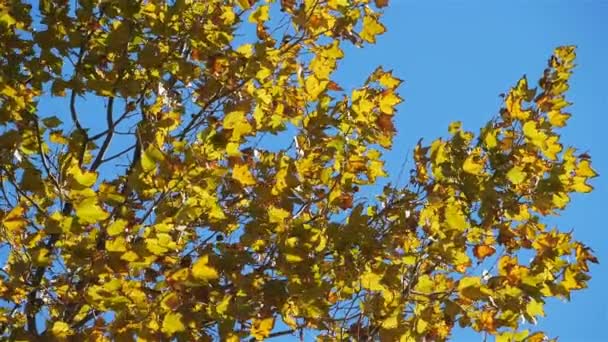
[(385, 123), (381, 3), (334, 86)]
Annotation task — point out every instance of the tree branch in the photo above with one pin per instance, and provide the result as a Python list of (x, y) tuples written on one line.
[(106, 142)]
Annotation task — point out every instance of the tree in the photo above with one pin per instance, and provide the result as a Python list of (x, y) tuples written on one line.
[(151, 209)]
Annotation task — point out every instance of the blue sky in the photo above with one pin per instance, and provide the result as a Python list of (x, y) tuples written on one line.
[(457, 56)]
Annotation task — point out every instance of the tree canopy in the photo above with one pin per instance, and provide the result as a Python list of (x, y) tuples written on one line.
[(150, 208)]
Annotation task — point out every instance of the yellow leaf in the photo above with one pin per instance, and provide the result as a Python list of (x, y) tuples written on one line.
[(516, 175), (510, 336), (536, 337), (232, 338), (222, 307), (237, 122), (260, 15), (388, 101), (244, 4), (149, 158), (172, 323), (129, 256), (89, 211), (371, 281), (15, 220), (535, 308), (490, 139), (425, 284), (261, 328), (241, 173), (470, 287), (57, 137), (84, 178), (388, 80), (421, 326), (454, 127), (487, 321), (61, 329), (557, 118), (531, 132), (584, 169), (292, 258), (552, 147), (180, 275), (560, 200), (118, 244), (371, 28), (579, 185), (454, 217), (335, 4), (201, 269), (246, 50), (474, 164), (314, 87), (392, 321), (41, 257), (277, 215), (117, 227)]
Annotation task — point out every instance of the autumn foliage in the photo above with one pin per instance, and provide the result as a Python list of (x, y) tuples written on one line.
[(149, 205)]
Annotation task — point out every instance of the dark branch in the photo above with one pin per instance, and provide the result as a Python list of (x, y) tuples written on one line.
[(106, 142)]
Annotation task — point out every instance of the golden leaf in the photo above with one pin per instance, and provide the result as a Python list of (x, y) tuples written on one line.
[(261, 328), (201, 269), (260, 15), (61, 330), (277, 215), (237, 121), (371, 281), (579, 185), (470, 287), (474, 164), (371, 28), (15, 220), (172, 323), (89, 211), (557, 118), (454, 217), (117, 227), (84, 178), (241, 173), (584, 169), (516, 175), (388, 101)]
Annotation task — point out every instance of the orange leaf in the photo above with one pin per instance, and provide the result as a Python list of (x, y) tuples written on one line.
[(483, 251)]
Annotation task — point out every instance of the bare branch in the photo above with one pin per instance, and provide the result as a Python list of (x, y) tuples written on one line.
[(119, 154)]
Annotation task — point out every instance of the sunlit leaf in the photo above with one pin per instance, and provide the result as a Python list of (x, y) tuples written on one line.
[(172, 323)]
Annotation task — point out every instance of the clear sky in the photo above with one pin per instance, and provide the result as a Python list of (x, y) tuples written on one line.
[(456, 56)]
